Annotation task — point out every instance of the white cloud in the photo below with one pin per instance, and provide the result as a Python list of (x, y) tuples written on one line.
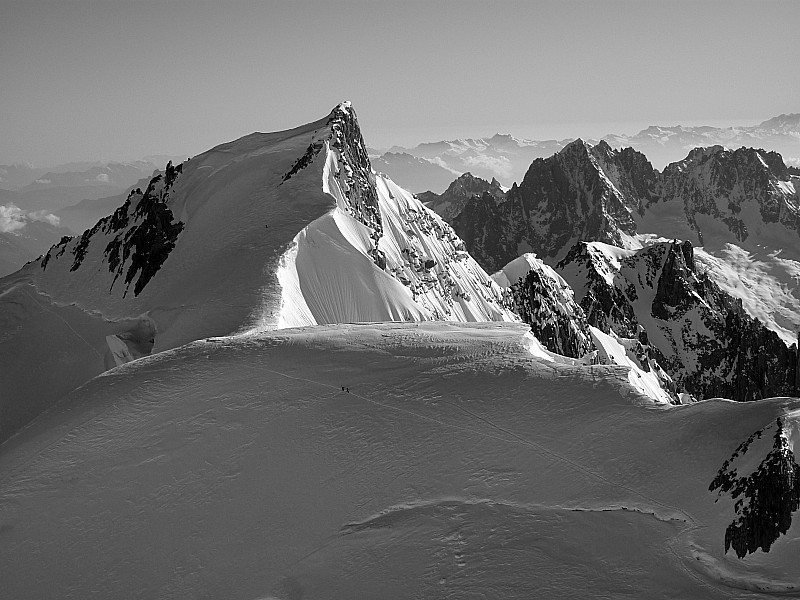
[(13, 218), (47, 217), (102, 177)]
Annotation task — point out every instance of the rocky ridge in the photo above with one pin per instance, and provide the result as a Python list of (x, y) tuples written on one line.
[(596, 193), (545, 301), (562, 199), (700, 335), (450, 203)]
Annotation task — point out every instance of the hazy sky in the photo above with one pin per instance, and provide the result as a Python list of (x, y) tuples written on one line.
[(119, 79)]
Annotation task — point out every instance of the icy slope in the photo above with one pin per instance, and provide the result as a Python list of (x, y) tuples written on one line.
[(329, 274), (269, 230), (702, 335), (545, 301), (458, 465)]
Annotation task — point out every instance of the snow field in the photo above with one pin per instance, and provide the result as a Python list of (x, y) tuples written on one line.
[(457, 465)]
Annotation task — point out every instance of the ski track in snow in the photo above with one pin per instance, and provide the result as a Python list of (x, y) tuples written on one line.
[(447, 522), (326, 239), (515, 438)]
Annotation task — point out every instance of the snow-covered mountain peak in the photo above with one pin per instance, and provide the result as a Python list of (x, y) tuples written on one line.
[(789, 122), (745, 196), (578, 146), (271, 230), (704, 153), (702, 336)]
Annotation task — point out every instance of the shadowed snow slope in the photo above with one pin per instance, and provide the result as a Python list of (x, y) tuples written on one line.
[(279, 229), (457, 465)]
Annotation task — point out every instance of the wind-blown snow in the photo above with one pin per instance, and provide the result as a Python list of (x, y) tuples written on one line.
[(612, 350), (767, 284), (457, 465), (270, 238), (328, 274)]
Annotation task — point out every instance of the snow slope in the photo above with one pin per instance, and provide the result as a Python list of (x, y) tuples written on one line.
[(329, 275), (267, 231), (703, 337), (458, 465), (546, 302)]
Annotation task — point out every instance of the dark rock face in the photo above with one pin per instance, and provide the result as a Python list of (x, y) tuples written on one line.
[(347, 140), (555, 318), (596, 193), (305, 160), (706, 341), (631, 173), (450, 203), (145, 235), (481, 225), (359, 180), (580, 193), (720, 183), (149, 243), (607, 307), (765, 500)]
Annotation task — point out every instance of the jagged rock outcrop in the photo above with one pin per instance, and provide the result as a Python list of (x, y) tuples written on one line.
[(359, 179), (450, 203), (702, 336), (596, 193), (271, 230), (567, 197), (765, 499), (146, 232), (744, 189), (544, 301)]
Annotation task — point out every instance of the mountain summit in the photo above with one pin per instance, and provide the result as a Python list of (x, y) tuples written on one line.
[(272, 230)]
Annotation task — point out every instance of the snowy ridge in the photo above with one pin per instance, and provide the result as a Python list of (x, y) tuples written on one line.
[(545, 301), (271, 230), (457, 464), (402, 263), (700, 335)]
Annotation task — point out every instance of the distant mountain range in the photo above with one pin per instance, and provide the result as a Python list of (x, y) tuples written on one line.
[(286, 229), (719, 318), (272, 372), (53, 188), (49, 203), (507, 158)]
